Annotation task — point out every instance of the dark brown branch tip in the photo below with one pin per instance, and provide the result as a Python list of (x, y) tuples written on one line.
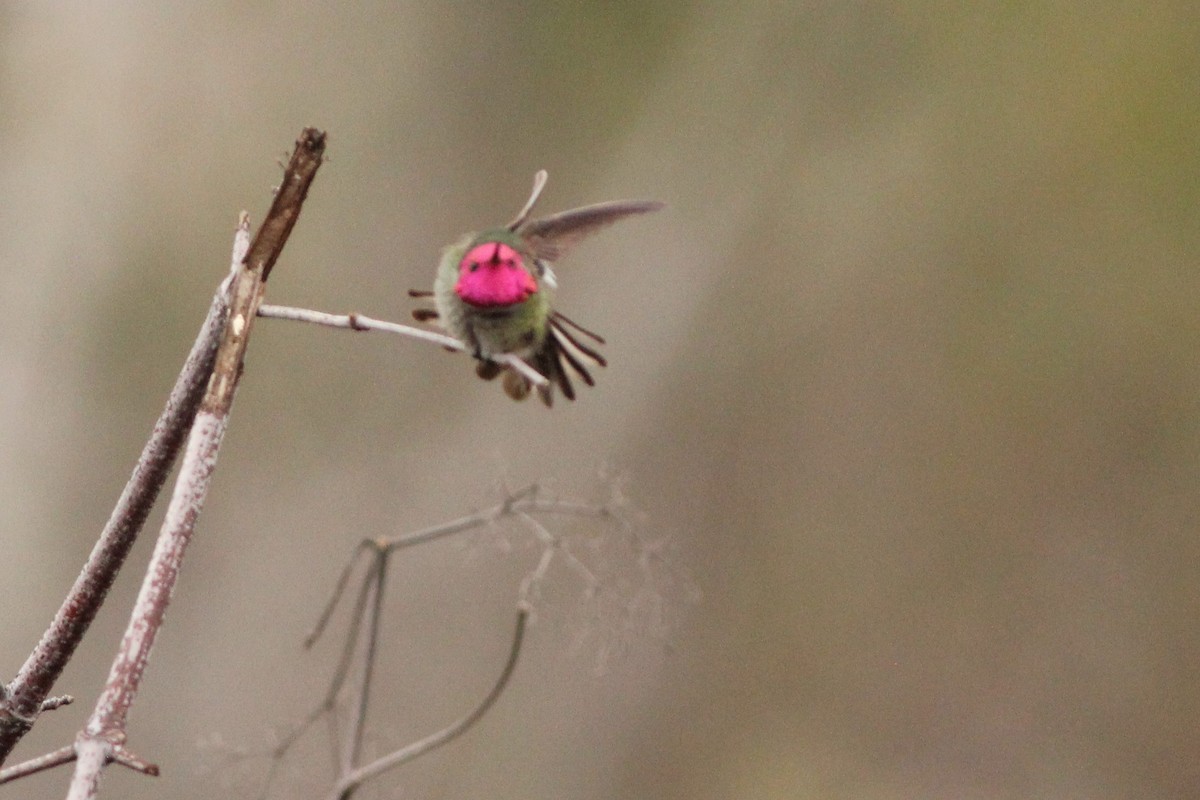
[(285, 208)]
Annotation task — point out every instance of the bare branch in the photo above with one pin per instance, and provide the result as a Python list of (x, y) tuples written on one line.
[(64, 755), (127, 759), (522, 502), (367, 615), (349, 783), (25, 697), (191, 488), (338, 589), (357, 616), (92, 755), (345, 661), (358, 322), (103, 737), (302, 167), (556, 543), (358, 724)]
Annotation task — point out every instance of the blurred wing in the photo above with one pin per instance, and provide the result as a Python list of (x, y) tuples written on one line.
[(551, 237)]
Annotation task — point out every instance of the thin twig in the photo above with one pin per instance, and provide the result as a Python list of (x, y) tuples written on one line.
[(338, 589), (357, 615), (298, 175), (550, 541), (51, 703), (349, 783), (63, 755), (358, 723), (358, 322), (526, 503), (340, 673), (127, 759)]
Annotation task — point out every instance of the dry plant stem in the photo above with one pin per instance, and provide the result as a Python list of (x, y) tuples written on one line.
[(63, 755), (339, 587), (356, 619), (103, 737), (25, 697), (350, 782), (521, 503), (100, 742), (358, 724), (367, 613), (341, 672), (358, 322)]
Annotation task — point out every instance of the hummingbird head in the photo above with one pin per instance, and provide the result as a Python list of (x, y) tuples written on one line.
[(493, 273)]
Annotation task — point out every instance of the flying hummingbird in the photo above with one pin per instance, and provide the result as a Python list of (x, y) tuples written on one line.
[(494, 292)]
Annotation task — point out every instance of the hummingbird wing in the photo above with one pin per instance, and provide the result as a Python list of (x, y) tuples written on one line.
[(551, 237)]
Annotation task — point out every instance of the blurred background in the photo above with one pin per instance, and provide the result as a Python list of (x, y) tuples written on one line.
[(904, 381)]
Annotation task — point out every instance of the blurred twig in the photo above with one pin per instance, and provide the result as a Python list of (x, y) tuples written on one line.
[(367, 617), (352, 779)]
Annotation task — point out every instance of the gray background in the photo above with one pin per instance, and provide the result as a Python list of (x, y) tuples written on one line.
[(906, 373)]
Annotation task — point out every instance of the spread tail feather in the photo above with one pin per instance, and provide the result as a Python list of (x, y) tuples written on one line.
[(560, 350)]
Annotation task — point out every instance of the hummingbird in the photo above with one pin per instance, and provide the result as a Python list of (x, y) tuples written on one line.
[(494, 292)]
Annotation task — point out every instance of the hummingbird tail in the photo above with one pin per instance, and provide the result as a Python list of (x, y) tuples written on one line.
[(558, 329), (561, 317), (548, 362), (560, 349)]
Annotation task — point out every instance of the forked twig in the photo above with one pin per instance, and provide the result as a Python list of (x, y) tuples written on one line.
[(352, 780), (367, 619)]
